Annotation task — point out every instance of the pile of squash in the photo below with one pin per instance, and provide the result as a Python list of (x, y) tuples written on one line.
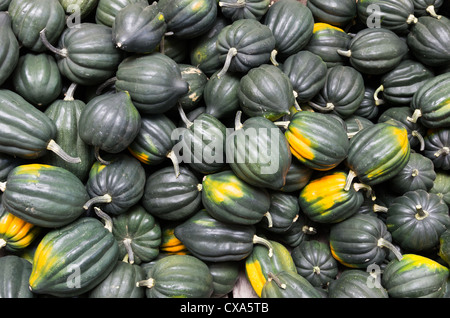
[(165, 149)]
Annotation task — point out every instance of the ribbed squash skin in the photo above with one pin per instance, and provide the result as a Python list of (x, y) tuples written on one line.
[(258, 264), (266, 91), (213, 240), (188, 19), (305, 135), (444, 246), (44, 195), (292, 25), (9, 53), (252, 9), (26, 131), (325, 42), (352, 283), (432, 99), (14, 275), (393, 15), (415, 276), (296, 287), (354, 242), (123, 179), (421, 7), (387, 51), (417, 231), (60, 254), (429, 40), (437, 147), (220, 95), (225, 276), (196, 80), (139, 28), (265, 158), (378, 152), (154, 82), (180, 276), (121, 283), (85, 6), (313, 260), (107, 10), (30, 17), (229, 199), (170, 197), (91, 57), (336, 12), (110, 122), (253, 41), (142, 232), (441, 186), (324, 199), (284, 211), (15, 233)]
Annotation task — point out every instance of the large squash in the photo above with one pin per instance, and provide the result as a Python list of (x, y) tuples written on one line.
[(9, 53)]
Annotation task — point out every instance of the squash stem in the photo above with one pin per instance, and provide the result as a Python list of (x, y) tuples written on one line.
[(360, 127), (273, 57), (282, 124), (416, 134), (432, 11), (443, 151), (415, 116), (183, 116), (309, 230), (421, 213), (127, 244), (346, 53), (378, 101), (107, 83), (415, 173), (271, 276), (269, 218), (231, 53), (259, 240), (176, 165), (369, 190), (296, 105), (149, 283), (200, 187), (48, 45), (385, 243), (237, 120), (99, 158), (379, 208), (2, 243), (3, 186), (106, 198), (411, 19), (105, 217), (70, 92), (316, 270), (53, 146), (348, 183), (327, 108)]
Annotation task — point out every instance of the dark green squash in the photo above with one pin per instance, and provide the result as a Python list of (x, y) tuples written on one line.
[(356, 283), (65, 113), (9, 52), (377, 153), (169, 197), (313, 260), (29, 17), (247, 9), (107, 10), (437, 147), (109, 122), (342, 93), (138, 235), (361, 240), (417, 219), (428, 40), (225, 276), (307, 74), (243, 45), (73, 259), (14, 274), (37, 79), (427, 7), (336, 12), (399, 85), (319, 141), (4, 5), (326, 40), (297, 177), (229, 199), (444, 247), (441, 186), (120, 283), (266, 91), (284, 211), (396, 16), (430, 102), (415, 276), (387, 50), (214, 241), (153, 80), (260, 263), (301, 230), (116, 187), (258, 153), (86, 54), (196, 80), (288, 284), (43, 195), (138, 27), (355, 123), (292, 26), (418, 174), (26, 131), (83, 7), (220, 95), (368, 108), (178, 276)]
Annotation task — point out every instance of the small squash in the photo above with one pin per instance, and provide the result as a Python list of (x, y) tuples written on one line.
[(353, 283), (220, 95), (14, 274), (287, 284), (437, 147)]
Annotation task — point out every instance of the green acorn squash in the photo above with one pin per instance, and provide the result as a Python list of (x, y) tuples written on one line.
[(220, 95), (15, 272), (437, 147), (107, 10), (287, 284), (427, 7), (84, 7), (9, 53), (225, 276), (244, 9), (284, 211), (441, 186), (353, 283), (336, 12)]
